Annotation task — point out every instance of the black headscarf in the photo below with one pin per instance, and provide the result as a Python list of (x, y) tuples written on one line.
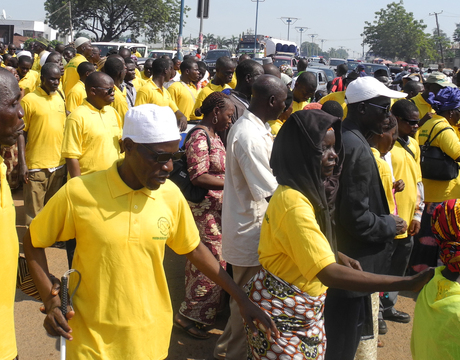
[(296, 160)]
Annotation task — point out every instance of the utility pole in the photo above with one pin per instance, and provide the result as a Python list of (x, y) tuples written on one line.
[(287, 21), (181, 26), (439, 35), (255, 35), (322, 42), (70, 18), (312, 43), (301, 29)]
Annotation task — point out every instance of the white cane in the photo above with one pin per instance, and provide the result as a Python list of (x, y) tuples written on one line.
[(64, 294)]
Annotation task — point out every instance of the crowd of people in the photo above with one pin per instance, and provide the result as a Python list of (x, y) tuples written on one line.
[(314, 208)]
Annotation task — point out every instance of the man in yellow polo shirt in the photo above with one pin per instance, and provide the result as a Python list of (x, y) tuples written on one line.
[(117, 71), (153, 92), (147, 72), (11, 125), (41, 163), (28, 76), (184, 92), (304, 90), (77, 94), (225, 67), (84, 52), (122, 219)]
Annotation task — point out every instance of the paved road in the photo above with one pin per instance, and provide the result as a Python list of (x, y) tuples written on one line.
[(34, 344)]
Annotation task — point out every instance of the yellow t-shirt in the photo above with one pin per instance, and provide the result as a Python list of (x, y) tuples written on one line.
[(120, 104), (75, 96), (122, 307), (436, 190), (9, 252), (29, 82), (203, 94), (338, 96), (422, 106), (36, 65), (184, 95), (143, 77), (91, 136), (150, 93), (296, 106), (232, 83), (291, 244), (138, 54), (138, 82), (44, 118), (275, 126), (407, 168), (387, 179), (71, 76)]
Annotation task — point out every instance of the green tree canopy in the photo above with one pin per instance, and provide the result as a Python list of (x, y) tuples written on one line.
[(107, 20), (396, 34)]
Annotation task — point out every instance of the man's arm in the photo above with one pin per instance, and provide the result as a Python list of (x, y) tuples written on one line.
[(181, 120), (202, 258), (73, 167), (55, 323), (23, 170)]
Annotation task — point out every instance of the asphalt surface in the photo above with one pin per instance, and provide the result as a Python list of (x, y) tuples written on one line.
[(34, 344)]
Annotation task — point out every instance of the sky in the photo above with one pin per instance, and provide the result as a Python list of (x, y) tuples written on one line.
[(338, 23)]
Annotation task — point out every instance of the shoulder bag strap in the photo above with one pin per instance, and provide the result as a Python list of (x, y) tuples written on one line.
[(428, 141), (190, 91), (190, 133), (404, 145)]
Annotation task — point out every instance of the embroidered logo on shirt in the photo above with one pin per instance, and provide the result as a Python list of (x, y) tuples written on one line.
[(164, 226)]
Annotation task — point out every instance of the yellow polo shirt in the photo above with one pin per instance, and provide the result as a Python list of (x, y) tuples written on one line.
[(422, 106), (338, 96), (291, 244), (150, 93), (75, 96), (275, 126), (436, 190), (407, 168), (29, 82), (143, 77), (232, 83), (203, 94), (9, 253), (36, 65), (296, 106), (138, 83), (184, 95), (91, 136), (122, 307), (120, 103), (44, 118), (386, 177), (71, 76)]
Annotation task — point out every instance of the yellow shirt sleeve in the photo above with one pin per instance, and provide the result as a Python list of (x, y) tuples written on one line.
[(73, 138), (142, 96)]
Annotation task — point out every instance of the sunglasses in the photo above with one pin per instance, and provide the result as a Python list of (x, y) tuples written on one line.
[(163, 158), (386, 108), (109, 91), (411, 122)]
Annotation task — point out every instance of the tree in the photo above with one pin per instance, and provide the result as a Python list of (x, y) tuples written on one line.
[(232, 43), (396, 34), (456, 34), (442, 41), (221, 41), (107, 20)]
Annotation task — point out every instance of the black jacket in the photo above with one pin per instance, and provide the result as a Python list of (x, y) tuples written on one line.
[(364, 228)]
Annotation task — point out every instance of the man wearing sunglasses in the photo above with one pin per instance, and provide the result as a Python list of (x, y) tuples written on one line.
[(365, 228), (123, 218)]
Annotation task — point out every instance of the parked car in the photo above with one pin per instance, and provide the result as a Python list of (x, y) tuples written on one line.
[(321, 78), (369, 68), (211, 58), (334, 62), (330, 73), (105, 47), (159, 53), (285, 60)]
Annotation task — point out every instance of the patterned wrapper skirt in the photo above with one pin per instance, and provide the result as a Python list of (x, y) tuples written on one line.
[(297, 315)]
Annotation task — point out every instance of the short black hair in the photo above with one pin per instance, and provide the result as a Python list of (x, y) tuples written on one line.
[(160, 65), (84, 67), (113, 67), (71, 49), (302, 64), (25, 59), (202, 65), (186, 65), (224, 62), (333, 108), (307, 79), (342, 69), (49, 68), (412, 86), (403, 108), (247, 67), (13, 62)]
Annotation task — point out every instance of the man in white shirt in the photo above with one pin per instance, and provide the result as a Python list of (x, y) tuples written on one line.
[(249, 184)]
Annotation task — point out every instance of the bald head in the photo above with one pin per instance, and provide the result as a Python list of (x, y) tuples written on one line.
[(8, 87), (50, 69), (307, 79), (124, 53), (54, 57), (271, 69), (269, 94), (97, 79)]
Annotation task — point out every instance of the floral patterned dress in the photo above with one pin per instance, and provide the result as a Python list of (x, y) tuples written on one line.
[(202, 296)]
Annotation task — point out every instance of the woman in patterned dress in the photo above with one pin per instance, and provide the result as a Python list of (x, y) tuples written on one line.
[(206, 167), (297, 250)]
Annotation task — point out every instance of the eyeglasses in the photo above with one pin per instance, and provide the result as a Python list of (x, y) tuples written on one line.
[(410, 122), (386, 108), (109, 91), (163, 158)]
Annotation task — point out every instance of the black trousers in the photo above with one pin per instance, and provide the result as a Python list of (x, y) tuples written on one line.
[(344, 319)]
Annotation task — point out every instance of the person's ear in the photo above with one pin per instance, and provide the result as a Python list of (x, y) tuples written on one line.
[(127, 145), (272, 100), (362, 108)]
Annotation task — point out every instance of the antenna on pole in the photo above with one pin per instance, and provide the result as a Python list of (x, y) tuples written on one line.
[(301, 29), (288, 21)]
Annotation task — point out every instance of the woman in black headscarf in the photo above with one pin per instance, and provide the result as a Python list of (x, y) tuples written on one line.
[(297, 249)]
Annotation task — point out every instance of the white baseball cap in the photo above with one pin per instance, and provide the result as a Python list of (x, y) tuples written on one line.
[(150, 124), (24, 53), (365, 88), (80, 41)]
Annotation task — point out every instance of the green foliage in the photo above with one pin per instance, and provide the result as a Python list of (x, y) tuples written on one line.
[(456, 34), (396, 34), (28, 44), (108, 20), (442, 41), (312, 49)]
